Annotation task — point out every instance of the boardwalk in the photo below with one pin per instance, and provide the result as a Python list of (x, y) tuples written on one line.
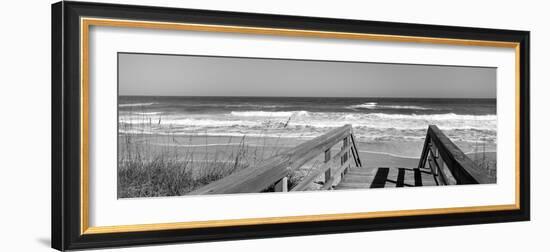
[(441, 163), (384, 177)]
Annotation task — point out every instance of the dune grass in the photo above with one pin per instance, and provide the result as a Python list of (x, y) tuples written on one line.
[(145, 170), (485, 160), (171, 171)]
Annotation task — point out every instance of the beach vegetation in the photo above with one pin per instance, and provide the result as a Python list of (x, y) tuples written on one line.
[(146, 169)]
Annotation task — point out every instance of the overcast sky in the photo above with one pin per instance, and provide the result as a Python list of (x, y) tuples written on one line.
[(175, 75)]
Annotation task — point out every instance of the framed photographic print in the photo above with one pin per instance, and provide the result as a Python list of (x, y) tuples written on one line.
[(180, 125)]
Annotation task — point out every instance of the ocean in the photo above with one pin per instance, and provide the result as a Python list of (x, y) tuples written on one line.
[(396, 126)]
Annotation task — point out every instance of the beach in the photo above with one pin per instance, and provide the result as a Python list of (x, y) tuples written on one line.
[(220, 148), (232, 133), (218, 154)]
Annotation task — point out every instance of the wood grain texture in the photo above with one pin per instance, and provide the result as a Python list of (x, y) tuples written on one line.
[(255, 179), (386, 177), (461, 166)]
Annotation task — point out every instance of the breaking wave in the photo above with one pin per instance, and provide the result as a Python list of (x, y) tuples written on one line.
[(269, 114), (136, 104), (367, 126), (374, 105)]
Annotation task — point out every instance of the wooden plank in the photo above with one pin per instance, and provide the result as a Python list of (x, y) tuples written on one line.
[(424, 155), (358, 179), (355, 151), (462, 167), (380, 178), (424, 170), (328, 172), (400, 177), (255, 179), (282, 185), (345, 187), (434, 168), (310, 178), (417, 177), (329, 183), (391, 180), (433, 151), (352, 185), (387, 178), (355, 172), (441, 179), (304, 184), (409, 177)]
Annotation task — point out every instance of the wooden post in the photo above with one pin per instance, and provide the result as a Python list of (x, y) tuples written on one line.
[(425, 150), (259, 177), (346, 155), (344, 145), (433, 153), (437, 159), (328, 172), (348, 152), (282, 185)]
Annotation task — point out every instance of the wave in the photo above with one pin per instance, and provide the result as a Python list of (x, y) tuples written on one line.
[(302, 124), (435, 117), (359, 116), (147, 113), (368, 105), (374, 105), (269, 114), (405, 107), (137, 104), (253, 105), (304, 119), (226, 105)]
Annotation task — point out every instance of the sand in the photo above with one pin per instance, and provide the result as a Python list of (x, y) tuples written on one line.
[(224, 149), (203, 148), (221, 147)]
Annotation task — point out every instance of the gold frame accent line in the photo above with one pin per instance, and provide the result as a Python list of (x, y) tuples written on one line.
[(85, 24), (290, 219), (84, 113), (518, 125), (290, 32)]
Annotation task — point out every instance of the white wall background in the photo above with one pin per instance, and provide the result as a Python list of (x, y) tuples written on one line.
[(25, 124)]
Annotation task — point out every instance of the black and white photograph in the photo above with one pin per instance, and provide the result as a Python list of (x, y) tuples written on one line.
[(262, 126), (199, 124)]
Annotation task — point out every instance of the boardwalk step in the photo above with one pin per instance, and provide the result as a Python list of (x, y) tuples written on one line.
[(360, 174), (362, 171), (353, 185), (382, 177), (357, 179)]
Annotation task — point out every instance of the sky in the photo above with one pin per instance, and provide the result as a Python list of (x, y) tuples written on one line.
[(181, 75)]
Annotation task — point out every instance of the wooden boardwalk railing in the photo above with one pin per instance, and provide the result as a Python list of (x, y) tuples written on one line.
[(275, 170), (447, 162), (447, 165)]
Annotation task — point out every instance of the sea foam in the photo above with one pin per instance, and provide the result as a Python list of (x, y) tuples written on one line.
[(375, 105)]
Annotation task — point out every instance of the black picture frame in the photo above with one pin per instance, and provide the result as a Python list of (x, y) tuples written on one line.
[(66, 124)]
